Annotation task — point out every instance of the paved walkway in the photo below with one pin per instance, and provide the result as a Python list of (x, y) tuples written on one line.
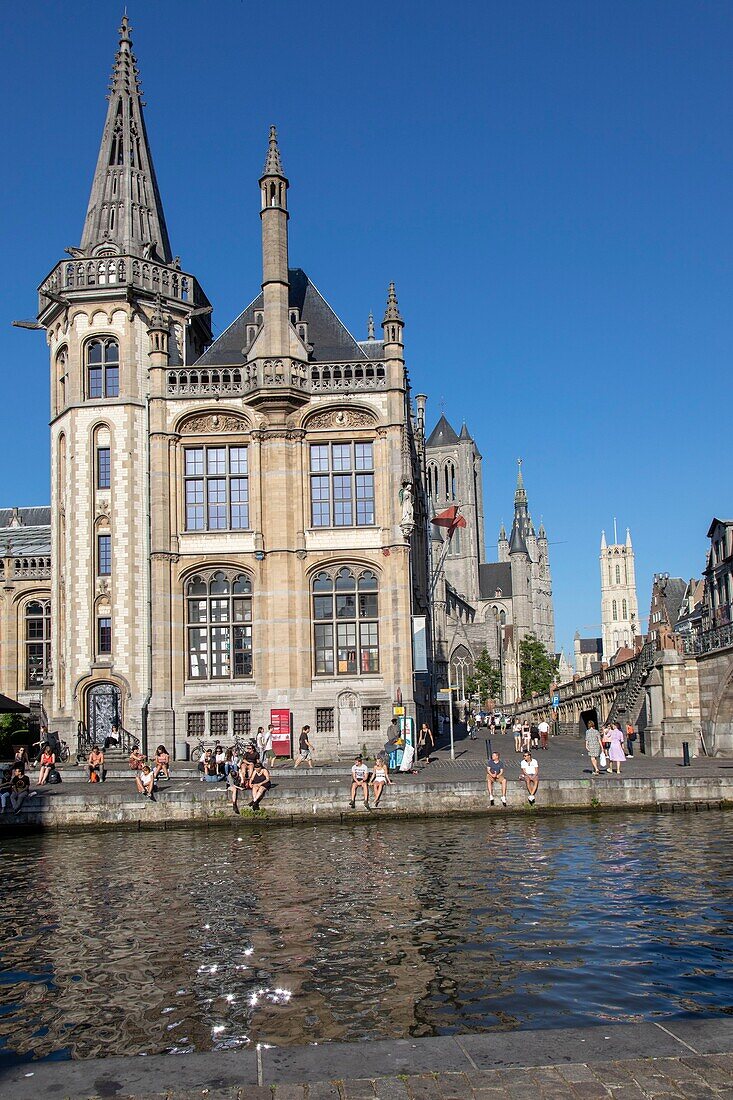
[(675, 1058)]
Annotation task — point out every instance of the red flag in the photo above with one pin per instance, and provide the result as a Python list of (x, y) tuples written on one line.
[(450, 518)]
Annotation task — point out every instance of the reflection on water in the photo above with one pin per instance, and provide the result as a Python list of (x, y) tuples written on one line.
[(200, 940)]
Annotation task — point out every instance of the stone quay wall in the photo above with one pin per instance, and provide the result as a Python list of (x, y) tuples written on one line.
[(197, 805)]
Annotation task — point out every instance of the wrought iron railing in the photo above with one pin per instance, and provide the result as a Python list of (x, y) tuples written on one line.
[(708, 641)]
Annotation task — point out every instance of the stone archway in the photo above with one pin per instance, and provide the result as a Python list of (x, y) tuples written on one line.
[(103, 710)]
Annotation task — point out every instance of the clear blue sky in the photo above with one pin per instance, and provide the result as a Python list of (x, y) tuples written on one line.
[(549, 184)]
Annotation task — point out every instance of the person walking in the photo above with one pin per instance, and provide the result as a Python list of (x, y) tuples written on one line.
[(425, 742), (616, 748), (530, 775), (264, 746), (305, 748), (495, 774), (544, 728), (526, 736), (593, 746)]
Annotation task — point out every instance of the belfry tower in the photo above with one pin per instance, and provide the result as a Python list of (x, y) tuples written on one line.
[(117, 311), (619, 605)]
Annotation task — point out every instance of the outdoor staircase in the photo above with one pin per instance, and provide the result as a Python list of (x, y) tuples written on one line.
[(627, 705)]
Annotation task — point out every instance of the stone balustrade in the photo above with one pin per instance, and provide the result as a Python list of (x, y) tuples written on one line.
[(113, 272), (32, 568), (272, 374)]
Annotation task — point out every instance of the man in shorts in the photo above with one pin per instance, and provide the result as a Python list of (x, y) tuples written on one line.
[(359, 782), (530, 775), (305, 748), (495, 774)]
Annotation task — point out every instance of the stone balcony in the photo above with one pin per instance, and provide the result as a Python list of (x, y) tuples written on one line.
[(33, 567), (270, 377), (114, 273)]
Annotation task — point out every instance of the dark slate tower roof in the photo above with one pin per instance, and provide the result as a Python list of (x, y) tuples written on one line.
[(442, 434), (465, 434), (331, 340), (124, 204)]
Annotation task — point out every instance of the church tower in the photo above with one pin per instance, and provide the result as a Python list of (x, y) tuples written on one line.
[(619, 606), (117, 311), (453, 471)]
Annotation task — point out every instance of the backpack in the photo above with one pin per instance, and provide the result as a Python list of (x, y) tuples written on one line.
[(54, 776)]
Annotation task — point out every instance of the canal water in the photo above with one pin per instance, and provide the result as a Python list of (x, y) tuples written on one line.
[(195, 940)]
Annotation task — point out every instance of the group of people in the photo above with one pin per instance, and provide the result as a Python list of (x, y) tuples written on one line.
[(605, 747), (362, 779), (529, 776)]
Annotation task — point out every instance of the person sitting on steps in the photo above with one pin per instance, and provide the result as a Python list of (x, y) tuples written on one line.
[(359, 782)]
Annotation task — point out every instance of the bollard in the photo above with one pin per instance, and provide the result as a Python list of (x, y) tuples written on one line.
[(685, 754)]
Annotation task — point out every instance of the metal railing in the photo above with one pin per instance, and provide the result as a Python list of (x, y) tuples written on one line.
[(628, 695), (708, 641)]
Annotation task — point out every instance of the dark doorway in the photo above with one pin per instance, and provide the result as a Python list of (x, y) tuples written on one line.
[(103, 711), (587, 716)]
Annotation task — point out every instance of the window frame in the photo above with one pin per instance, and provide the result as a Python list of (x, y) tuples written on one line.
[(345, 622), (104, 556), (106, 371), (202, 481), (104, 635), (341, 492), (107, 467), (219, 626), (42, 641)]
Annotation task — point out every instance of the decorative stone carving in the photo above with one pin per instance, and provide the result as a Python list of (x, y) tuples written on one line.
[(213, 422), (342, 418)]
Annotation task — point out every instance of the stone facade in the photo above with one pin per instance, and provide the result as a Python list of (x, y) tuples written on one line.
[(237, 527), (619, 605), (478, 604), (25, 604)]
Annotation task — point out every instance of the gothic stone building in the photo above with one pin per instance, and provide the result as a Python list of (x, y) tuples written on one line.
[(479, 604), (229, 535)]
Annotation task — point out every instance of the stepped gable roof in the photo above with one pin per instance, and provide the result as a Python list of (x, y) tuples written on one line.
[(442, 434), (331, 340), (673, 595), (494, 575)]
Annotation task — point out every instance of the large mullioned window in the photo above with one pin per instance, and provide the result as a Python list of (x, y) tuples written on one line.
[(345, 623), (37, 642), (103, 369), (342, 484), (219, 626), (217, 488)]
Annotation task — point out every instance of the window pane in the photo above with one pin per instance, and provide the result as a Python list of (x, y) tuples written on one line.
[(113, 382), (219, 584), (242, 611), (94, 352), (341, 456), (323, 635), (216, 460), (240, 507), (219, 652), (363, 456), (197, 653), (103, 467), (104, 635), (320, 511), (323, 583), (242, 651), (95, 382), (242, 585), (197, 611), (367, 605), (345, 607), (34, 664), (342, 512), (323, 607), (345, 581), (319, 458), (220, 610), (194, 462), (238, 460), (111, 352), (195, 517), (365, 498), (346, 647), (217, 489), (104, 555)]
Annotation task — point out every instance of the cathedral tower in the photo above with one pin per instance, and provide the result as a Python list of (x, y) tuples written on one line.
[(117, 311), (619, 606)]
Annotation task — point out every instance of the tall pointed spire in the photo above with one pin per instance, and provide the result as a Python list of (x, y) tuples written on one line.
[(522, 525), (370, 326), (273, 163), (392, 311), (124, 209), (520, 495)]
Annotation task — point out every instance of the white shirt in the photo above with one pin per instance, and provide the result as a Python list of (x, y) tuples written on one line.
[(530, 767), (147, 780), (360, 772), (543, 727)]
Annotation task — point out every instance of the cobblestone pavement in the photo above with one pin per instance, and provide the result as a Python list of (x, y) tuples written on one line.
[(694, 1076)]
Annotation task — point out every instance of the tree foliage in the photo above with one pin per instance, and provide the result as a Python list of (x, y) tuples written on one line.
[(486, 679), (537, 667), (13, 731)]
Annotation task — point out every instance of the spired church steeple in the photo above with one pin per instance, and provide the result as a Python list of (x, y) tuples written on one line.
[(124, 205)]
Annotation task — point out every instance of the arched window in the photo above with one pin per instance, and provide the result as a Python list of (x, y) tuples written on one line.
[(103, 369), (345, 623), (62, 360), (618, 574), (615, 611), (452, 472), (37, 642), (219, 618)]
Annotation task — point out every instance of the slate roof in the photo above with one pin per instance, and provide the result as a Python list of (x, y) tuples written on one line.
[(442, 435), (32, 538), (674, 594), (331, 340), (493, 575), (591, 645)]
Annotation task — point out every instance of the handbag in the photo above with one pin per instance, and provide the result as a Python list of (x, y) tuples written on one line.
[(603, 759)]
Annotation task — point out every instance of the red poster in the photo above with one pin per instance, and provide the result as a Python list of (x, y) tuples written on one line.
[(282, 732)]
